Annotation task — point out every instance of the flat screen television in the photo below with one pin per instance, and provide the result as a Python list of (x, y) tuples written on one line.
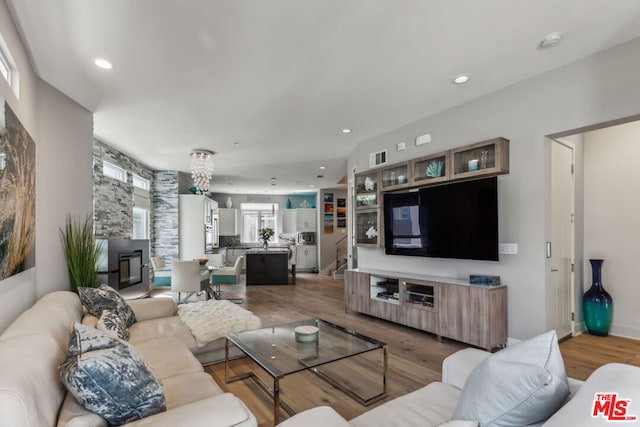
[(458, 220)]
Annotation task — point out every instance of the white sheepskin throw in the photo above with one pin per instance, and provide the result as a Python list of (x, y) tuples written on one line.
[(213, 319)]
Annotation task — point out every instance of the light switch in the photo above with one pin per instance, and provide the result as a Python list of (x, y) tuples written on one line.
[(508, 248)]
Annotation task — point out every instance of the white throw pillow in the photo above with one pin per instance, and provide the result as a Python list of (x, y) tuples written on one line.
[(521, 385)]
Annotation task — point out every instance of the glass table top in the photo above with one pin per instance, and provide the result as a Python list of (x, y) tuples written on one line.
[(277, 351)]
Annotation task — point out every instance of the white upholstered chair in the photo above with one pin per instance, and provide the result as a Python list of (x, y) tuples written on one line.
[(186, 276), (227, 276)]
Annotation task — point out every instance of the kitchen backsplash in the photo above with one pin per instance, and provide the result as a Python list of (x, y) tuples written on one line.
[(226, 241)]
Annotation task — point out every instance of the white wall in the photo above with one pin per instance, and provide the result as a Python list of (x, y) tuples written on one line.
[(62, 131), (600, 88), (611, 227)]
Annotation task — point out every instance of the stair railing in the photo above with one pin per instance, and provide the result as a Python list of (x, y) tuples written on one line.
[(341, 252)]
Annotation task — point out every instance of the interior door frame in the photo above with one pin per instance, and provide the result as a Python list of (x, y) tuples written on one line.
[(573, 308)]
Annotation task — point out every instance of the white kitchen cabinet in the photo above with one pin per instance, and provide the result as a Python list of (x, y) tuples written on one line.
[(210, 208), (195, 213), (289, 221), (228, 222), (307, 257), (306, 220)]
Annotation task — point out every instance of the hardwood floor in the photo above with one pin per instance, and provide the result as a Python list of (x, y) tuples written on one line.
[(414, 357)]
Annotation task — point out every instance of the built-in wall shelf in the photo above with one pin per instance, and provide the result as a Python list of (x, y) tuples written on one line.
[(479, 160)]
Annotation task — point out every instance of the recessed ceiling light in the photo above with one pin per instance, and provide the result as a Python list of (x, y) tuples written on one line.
[(346, 131), (103, 63), (550, 40), (323, 167), (236, 144), (461, 79)]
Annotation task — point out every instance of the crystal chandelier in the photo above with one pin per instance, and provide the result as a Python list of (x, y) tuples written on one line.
[(201, 170)]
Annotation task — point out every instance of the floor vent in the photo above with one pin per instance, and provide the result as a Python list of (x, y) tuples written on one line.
[(378, 158)]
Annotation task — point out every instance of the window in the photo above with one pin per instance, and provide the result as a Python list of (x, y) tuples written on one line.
[(4, 68), (8, 68), (140, 182), (140, 223), (141, 207), (255, 216), (114, 171)]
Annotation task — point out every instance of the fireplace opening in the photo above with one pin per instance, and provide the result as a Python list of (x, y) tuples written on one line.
[(130, 271)]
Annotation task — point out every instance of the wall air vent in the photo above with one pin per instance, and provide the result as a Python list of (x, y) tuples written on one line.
[(378, 158)]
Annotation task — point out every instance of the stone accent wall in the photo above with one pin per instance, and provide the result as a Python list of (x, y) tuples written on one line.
[(164, 222), (113, 199)]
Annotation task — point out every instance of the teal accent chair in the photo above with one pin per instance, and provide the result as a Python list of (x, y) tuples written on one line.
[(161, 273)]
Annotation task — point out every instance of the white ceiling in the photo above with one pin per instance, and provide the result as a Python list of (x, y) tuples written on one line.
[(283, 77)]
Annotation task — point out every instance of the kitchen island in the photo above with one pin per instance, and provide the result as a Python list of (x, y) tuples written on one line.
[(267, 266)]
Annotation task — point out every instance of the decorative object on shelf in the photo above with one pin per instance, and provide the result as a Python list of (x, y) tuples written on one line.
[(371, 233), (367, 199), (597, 304), (483, 159), (228, 203), (483, 280), (265, 235), (402, 179), (369, 184), (288, 205), (193, 190), (434, 169), (202, 261), (473, 165), (304, 204), (201, 169), (306, 333)]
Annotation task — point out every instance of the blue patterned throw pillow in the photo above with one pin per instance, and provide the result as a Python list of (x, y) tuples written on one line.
[(111, 324), (108, 377), (105, 297)]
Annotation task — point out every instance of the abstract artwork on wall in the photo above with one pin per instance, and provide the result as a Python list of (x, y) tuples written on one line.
[(17, 195), (328, 223)]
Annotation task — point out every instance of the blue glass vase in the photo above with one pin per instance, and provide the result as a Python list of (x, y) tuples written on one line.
[(597, 304)]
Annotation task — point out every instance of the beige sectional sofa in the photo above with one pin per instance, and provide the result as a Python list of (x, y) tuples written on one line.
[(160, 317), (31, 349)]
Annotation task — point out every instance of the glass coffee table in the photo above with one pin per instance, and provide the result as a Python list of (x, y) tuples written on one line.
[(276, 350)]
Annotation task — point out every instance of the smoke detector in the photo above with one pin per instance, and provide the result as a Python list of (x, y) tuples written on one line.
[(550, 40)]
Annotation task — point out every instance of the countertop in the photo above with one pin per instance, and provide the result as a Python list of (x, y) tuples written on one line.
[(269, 251), (256, 246)]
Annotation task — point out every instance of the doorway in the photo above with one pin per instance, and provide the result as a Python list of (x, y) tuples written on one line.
[(561, 248)]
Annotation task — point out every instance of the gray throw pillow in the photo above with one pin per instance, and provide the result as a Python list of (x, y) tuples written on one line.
[(104, 297), (522, 385), (108, 377), (111, 324)]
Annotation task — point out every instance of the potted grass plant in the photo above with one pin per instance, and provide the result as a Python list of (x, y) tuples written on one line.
[(81, 251)]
